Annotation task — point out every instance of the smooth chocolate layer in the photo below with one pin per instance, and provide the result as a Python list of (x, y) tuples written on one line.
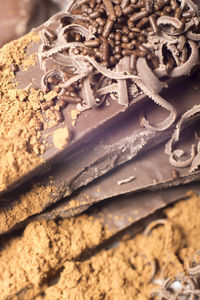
[(149, 174), (151, 170)]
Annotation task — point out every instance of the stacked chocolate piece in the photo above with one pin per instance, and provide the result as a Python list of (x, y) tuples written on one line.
[(118, 86)]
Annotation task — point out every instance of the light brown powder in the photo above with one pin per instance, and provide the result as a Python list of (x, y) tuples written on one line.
[(20, 116), (27, 262), (44, 263), (61, 137), (30, 203)]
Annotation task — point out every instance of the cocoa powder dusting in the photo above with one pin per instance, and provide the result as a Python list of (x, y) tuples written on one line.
[(20, 115), (30, 203), (51, 260)]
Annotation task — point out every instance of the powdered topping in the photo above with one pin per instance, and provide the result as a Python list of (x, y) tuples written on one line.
[(61, 137), (21, 119), (133, 42)]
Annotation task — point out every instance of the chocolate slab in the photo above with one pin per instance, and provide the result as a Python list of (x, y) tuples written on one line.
[(90, 123), (144, 173), (150, 175), (151, 170), (121, 212), (100, 156)]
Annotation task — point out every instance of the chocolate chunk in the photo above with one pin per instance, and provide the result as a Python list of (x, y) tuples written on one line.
[(144, 173), (72, 64), (119, 213), (116, 146)]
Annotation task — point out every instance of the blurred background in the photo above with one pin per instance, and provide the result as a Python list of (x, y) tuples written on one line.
[(19, 16)]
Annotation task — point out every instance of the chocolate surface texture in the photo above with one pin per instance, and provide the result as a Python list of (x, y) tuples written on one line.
[(100, 91), (107, 110), (114, 87), (118, 145)]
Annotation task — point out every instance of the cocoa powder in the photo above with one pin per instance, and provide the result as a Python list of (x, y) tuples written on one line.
[(52, 260), (20, 115)]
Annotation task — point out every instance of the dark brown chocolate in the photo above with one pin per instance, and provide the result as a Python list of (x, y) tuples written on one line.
[(91, 123), (121, 212), (144, 173), (113, 148)]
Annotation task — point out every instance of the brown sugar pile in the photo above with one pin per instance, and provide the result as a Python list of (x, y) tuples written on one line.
[(52, 260), (20, 115)]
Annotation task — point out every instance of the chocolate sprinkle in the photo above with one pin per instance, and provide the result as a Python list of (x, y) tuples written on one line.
[(96, 41)]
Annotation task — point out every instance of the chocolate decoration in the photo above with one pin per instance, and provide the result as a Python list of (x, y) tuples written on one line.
[(93, 122), (116, 146)]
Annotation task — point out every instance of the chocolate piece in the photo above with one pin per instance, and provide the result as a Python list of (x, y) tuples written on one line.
[(58, 54), (144, 173), (121, 212), (115, 147)]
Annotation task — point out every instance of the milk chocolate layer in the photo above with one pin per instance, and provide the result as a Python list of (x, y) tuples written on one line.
[(151, 170)]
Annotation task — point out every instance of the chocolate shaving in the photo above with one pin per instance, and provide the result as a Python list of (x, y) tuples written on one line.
[(186, 68), (193, 36), (167, 20), (148, 76), (123, 65), (154, 224), (47, 75), (93, 52), (173, 154), (160, 101), (194, 268), (63, 60), (196, 161), (180, 287), (87, 33), (88, 94)]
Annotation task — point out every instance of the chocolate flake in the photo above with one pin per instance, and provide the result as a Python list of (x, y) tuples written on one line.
[(108, 33), (177, 153)]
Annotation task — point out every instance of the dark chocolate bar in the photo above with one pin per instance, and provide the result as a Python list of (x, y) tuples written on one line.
[(99, 157), (55, 62), (144, 173), (123, 211)]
